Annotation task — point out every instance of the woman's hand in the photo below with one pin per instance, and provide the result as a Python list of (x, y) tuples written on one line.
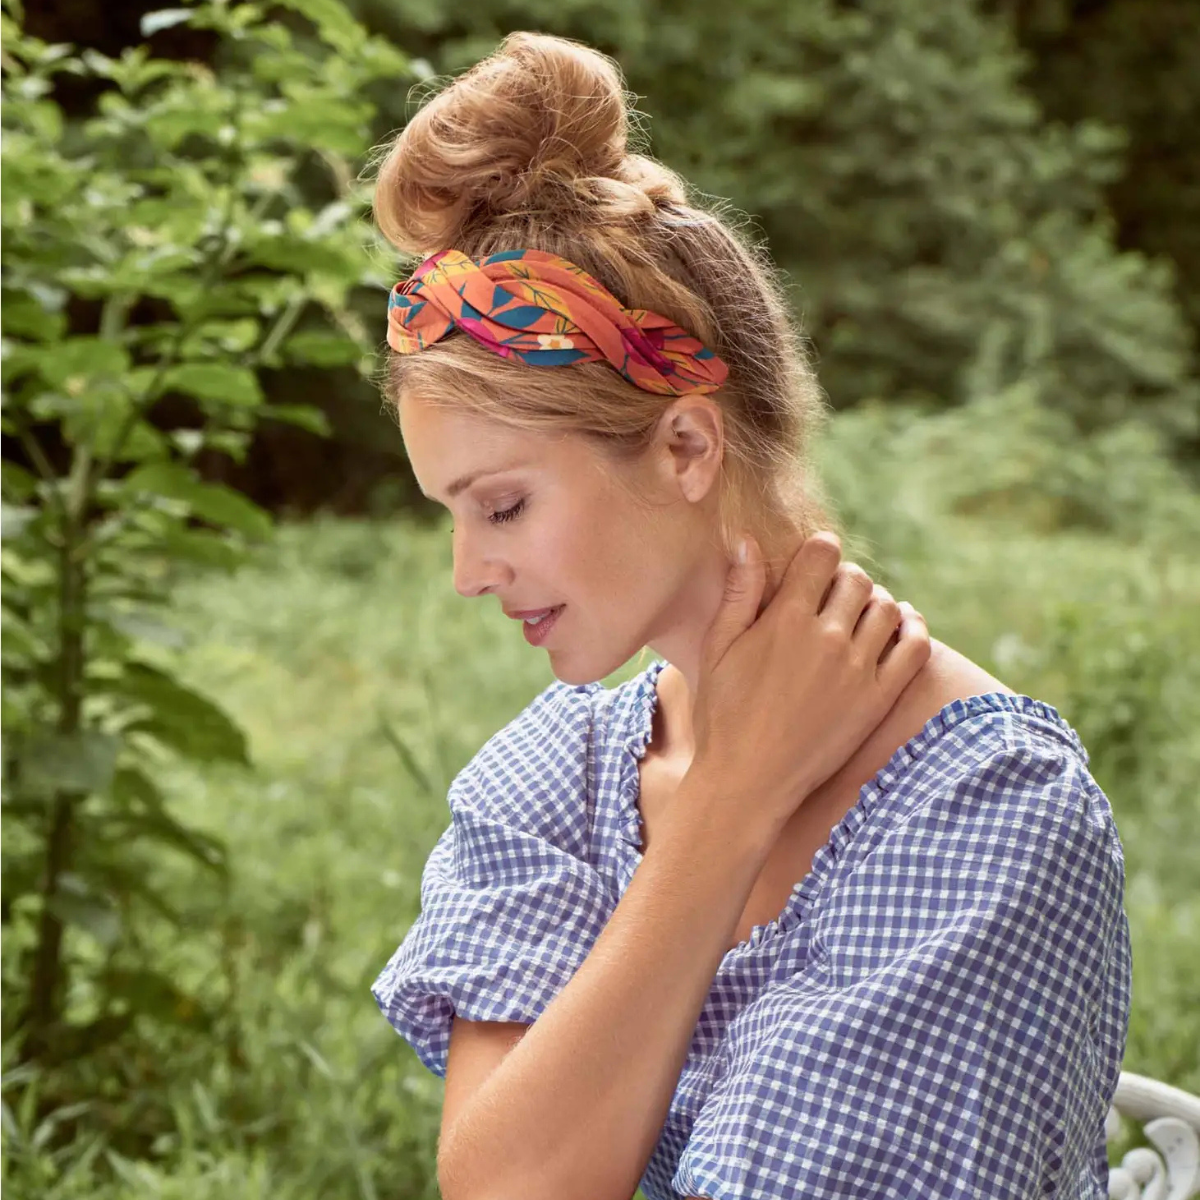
[(785, 698)]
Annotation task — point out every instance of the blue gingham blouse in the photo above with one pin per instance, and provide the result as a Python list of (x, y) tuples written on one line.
[(939, 1011)]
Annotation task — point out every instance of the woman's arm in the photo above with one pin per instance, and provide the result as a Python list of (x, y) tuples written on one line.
[(576, 1108), (784, 697)]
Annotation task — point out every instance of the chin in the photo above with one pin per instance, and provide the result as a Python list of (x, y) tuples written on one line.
[(575, 670), (575, 674)]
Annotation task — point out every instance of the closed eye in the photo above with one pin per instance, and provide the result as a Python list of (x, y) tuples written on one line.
[(507, 514)]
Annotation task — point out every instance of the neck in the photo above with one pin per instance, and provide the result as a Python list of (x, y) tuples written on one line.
[(681, 641)]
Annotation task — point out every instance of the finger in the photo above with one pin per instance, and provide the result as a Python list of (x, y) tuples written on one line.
[(847, 598), (908, 656), (879, 622), (808, 575), (744, 585)]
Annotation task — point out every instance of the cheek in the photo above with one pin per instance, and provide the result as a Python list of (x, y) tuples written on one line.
[(624, 564), (602, 548), (591, 554)]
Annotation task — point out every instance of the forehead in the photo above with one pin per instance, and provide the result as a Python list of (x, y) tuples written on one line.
[(444, 444)]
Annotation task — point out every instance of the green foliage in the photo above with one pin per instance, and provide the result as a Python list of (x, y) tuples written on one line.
[(161, 249), (1135, 66)]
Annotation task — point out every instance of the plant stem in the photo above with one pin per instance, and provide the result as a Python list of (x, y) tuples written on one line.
[(48, 975), (38, 457)]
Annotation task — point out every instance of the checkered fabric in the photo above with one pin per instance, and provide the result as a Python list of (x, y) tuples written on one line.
[(940, 1010)]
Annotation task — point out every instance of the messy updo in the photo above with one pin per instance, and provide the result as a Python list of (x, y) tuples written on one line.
[(530, 149)]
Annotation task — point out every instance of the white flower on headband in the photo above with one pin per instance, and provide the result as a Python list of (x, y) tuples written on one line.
[(555, 341)]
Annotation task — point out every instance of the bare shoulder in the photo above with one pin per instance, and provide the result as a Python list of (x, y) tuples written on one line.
[(947, 676)]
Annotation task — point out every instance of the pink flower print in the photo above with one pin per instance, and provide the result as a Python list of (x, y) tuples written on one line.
[(641, 349), (479, 332)]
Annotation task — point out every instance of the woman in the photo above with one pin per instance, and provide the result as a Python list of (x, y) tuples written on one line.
[(813, 906)]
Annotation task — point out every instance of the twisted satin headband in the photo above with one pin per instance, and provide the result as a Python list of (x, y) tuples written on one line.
[(544, 310)]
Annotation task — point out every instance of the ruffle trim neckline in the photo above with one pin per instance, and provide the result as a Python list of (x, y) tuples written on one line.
[(637, 720), (634, 718)]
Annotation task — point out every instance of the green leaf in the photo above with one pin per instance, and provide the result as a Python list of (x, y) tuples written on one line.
[(161, 827), (334, 22), (163, 18), (73, 363), (25, 317), (143, 813), (153, 993), (18, 483), (303, 415), (13, 520), (75, 904), (80, 762), (139, 625), (215, 381), (300, 256), (23, 645), (322, 349), (180, 718), (202, 547), (131, 786), (212, 501), (98, 427)]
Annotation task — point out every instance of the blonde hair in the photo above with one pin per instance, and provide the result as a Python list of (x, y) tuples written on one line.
[(530, 149)]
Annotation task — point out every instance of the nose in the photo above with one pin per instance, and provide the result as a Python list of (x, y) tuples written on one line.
[(475, 572)]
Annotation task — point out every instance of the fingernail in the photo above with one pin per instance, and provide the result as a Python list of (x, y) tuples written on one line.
[(741, 550)]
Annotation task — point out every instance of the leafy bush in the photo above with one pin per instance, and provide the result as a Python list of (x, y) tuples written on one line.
[(160, 250)]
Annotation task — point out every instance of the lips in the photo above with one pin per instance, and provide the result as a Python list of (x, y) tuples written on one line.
[(537, 631)]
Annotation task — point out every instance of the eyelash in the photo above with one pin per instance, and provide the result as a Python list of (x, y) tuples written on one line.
[(508, 514)]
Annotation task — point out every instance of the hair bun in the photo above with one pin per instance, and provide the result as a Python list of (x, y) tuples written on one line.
[(541, 123)]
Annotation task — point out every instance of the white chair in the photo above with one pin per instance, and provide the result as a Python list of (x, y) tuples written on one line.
[(1171, 1120)]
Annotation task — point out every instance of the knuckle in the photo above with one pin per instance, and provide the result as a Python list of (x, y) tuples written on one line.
[(836, 636), (854, 574), (829, 634), (823, 546)]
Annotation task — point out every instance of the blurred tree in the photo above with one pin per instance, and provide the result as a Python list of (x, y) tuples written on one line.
[(1135, 66)]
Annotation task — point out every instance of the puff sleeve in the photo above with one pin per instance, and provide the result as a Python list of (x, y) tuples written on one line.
[(510, 904), (959, 1029)]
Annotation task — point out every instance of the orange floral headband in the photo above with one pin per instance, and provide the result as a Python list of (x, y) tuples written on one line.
[(544, 310)]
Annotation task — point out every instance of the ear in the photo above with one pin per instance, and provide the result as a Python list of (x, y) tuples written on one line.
[(690, 445)]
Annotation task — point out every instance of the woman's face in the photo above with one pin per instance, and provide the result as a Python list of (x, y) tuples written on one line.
[(542, 520)]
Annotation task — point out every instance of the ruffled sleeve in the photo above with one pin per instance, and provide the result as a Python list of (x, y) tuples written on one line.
[(959, 1028), (510, 903)]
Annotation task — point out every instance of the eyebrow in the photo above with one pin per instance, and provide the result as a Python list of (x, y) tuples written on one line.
[(464, 481)]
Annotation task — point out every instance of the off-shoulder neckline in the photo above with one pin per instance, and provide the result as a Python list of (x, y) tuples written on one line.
[(637, 700)]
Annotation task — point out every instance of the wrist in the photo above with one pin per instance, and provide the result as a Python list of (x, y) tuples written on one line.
[(736, 822)]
